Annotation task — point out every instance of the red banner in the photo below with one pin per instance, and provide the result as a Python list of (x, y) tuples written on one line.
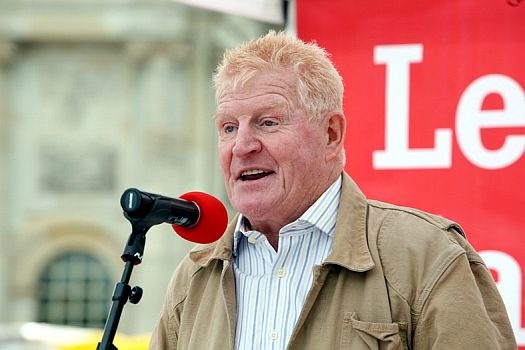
[(435, 103)]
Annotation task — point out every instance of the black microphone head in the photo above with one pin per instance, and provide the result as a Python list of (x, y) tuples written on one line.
[(135, 202)]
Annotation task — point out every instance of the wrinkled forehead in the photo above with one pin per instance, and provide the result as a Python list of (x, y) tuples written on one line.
[(256, 105), (272, 89)]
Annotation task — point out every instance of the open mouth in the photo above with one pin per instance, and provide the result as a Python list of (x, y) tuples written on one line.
[(251, 175)]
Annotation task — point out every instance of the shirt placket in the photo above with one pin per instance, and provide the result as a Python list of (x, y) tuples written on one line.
[(280, 276)]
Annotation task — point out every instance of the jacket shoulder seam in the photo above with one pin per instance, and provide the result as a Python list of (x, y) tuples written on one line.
[(426, 294), (451, 257), (430, 218), (387, 279), (394, 278)]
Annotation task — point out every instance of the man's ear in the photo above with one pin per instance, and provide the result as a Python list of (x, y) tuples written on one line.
[(335, 126)]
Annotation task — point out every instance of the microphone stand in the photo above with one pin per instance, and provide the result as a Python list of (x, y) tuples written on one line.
[(133, 253), (143, 210)]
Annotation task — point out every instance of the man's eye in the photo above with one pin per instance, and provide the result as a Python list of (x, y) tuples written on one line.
[(268, 123), (228, 129)]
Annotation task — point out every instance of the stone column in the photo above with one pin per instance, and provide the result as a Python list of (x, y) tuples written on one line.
[(7, 51), (159, 130)]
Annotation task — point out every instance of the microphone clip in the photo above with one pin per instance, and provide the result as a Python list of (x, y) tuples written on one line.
[(134, 248)]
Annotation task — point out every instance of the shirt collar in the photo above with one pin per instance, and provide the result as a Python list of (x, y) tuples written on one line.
[(322, 214)]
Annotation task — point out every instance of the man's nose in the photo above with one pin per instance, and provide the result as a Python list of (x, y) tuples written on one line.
[(246, 142)]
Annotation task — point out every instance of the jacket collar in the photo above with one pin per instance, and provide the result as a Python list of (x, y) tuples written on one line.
[(221, 249), (350, 247)]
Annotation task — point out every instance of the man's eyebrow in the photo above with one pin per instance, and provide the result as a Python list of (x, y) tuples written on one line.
[(274, 104)]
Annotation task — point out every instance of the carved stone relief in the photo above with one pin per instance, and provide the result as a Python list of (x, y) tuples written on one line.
[(78, 168)]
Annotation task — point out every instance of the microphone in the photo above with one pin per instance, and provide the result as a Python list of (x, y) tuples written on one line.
[(197, 217)]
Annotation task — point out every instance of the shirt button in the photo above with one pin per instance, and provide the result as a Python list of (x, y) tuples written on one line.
[(274, 335), (280, 273), (252, 239)]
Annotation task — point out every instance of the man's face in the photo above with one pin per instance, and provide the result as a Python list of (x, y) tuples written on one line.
[(273, 160)]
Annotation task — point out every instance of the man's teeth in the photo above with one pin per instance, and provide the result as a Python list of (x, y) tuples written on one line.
[(253, 172)]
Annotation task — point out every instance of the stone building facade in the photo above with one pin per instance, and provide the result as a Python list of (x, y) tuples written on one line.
[(95, 97)]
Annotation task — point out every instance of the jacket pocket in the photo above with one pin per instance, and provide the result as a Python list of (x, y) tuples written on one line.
[(360, 335)]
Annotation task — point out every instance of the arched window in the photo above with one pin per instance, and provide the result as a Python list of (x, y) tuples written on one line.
[(74, 289)]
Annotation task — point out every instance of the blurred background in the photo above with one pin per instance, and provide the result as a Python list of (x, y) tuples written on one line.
[(97, 96)]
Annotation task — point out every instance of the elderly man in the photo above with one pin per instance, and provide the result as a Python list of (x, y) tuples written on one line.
[(309, 262)]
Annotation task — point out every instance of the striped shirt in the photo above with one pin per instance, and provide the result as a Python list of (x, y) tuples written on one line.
[(272, 286)]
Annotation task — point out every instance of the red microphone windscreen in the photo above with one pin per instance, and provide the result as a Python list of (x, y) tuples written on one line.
[(212, 222)]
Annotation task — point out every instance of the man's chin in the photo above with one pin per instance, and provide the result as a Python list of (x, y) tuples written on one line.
[(256, 210)]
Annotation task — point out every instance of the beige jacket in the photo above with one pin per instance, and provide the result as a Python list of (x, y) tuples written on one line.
[(397, 278)]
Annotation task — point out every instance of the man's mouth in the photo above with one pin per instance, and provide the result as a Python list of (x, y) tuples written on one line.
[(250, 175)]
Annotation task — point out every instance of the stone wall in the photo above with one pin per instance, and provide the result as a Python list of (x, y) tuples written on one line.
[(96, 97)]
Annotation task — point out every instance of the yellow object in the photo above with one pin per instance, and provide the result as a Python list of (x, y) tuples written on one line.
[(122, 342)]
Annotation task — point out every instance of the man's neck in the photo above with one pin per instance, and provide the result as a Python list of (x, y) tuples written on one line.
[(271, 228)]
